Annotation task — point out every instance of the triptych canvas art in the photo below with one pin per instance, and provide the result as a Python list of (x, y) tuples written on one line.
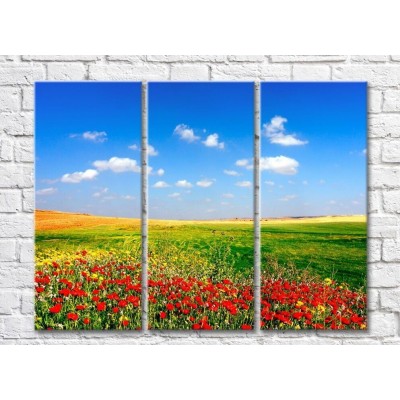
[(154, 200)]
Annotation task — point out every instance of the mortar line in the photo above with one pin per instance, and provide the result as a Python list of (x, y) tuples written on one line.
[(144, 210)]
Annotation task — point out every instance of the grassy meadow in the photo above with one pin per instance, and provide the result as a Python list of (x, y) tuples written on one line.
[(200, 272)]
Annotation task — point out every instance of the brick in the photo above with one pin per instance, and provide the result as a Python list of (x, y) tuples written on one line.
[(26, 250), (190, 72), (375, 75), (374, 151), (276, 72), (17, 123), (18, 327), (390, 250), (391, 151), (373, 299), (7, 250), (382, 227), (244, 58), (384, 275), (28, 98), (15, 275), (395, 58), (10, 201), (242, 72), (27, 302), (194, 58), (66, 72), (6, 149), (381, 324), (380, 177), (10, 98), (368, 59), (61, 58), (311, 59), (390, 299), (311, 73), (391, 101), (374, 248), (375, 99), (16, 176), (23, 151), (384, 125), (128, 72), (391, 201), (374, 201), (9, 301), (28, 199), (20, 74), (16, 225)]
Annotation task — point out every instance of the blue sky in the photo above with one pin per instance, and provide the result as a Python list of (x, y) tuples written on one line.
[(83, 135), (313, 149), (200, 131)]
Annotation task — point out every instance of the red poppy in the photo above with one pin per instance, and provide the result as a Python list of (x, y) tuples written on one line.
[(125, 322), (86, 321), (101, 306), (55, 309), (80, 307), (72, 316), (170, 306), (163, 314), (246, 327)]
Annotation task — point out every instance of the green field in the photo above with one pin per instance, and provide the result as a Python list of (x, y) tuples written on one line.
[(326, 249)]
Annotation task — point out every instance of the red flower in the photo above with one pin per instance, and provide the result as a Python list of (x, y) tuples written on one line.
[(246, 327), (86, 321), (80, 307), (196, 326), (170, 306), (72, 316), (56, 309), (163, 314), (125, 322), (40, 289), (115, 310), (101, 306)]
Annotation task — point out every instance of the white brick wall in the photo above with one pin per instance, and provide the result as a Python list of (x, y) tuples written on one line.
[(17, 75)]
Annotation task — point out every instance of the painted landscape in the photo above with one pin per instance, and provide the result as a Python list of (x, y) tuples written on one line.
[(201, 206), (88, 267), (313, 184)]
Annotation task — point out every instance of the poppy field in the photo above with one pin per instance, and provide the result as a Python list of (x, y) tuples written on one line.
[(200, 275)]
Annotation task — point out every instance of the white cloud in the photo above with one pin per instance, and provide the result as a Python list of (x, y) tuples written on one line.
[(96, 137), (231, 172), (128, 197), (224, 203), (276, 132), (183, 183), (305, 182), (160, 172), (322, 182), (288, 197), (364, 151), (243, 184), (174, 195), (355, 202), (185, 133), (212, 141), (332, 202), (242, 163), (100, 192), (151, 151), (46, 192), (117, 165), (228, 195), (205, 183), (270, 183), (280, 165), (210, 210), (78, 177), (207, 200), (133, 147), (161, 185)]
